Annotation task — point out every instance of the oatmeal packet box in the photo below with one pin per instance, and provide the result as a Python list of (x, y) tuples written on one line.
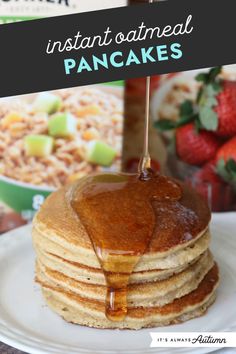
[(50, 139)]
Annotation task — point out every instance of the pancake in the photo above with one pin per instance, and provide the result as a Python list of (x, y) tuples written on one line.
[(181, 257), (67, 237), (142, 294), (76, 309), (173, 281), (185, 225), (96, 276)]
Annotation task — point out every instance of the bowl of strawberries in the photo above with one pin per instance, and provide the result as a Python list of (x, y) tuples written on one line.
[(202, 148)]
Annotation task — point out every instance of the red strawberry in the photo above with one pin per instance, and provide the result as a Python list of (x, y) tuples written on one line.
[(214, 190), (226, 109), (216, 103), (208, 173), (214, 109), (194, 147), (227, 151), (226, 164)]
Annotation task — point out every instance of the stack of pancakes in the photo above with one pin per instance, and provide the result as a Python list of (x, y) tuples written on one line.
[(175, 280)]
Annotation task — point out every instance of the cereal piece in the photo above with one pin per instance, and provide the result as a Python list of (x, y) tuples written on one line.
[(90, 134), (11, 118), (88, 110)]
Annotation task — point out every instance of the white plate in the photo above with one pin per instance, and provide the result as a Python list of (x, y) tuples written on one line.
[(27, 324)]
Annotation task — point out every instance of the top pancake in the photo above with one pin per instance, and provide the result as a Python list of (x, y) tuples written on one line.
[(178, 225)]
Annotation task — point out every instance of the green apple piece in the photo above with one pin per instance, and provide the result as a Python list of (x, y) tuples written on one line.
[(47, 102), (100, 153), (62, 125), (38, 145)]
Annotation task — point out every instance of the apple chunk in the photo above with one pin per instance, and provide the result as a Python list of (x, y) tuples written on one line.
[(38, 145), (62, 125), (100, 153), (47, 102)]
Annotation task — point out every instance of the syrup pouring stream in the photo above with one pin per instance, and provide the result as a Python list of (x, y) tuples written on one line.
[(118, 213)]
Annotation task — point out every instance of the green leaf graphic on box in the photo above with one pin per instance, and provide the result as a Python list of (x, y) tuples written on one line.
[(47, 102), (100, 153), (38, 145), (113, 83), (62, 125), (10, 19)]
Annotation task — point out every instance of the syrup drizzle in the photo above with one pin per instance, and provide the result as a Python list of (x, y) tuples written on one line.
[(144, 169), (118, 213)]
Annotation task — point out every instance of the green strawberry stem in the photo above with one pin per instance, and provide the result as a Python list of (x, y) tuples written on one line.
[(227, 171), (202, 113)]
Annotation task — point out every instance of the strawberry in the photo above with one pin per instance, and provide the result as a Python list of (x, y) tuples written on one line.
[(226, 162), (217, 103), (227, 151), (208, 173), (214, 190), (226, 109), (214, 109), (194, 147)]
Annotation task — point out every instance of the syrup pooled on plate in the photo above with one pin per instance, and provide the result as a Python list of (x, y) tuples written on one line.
[(118, 215)]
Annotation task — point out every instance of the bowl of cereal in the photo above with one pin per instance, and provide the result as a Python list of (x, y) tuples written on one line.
[(50, 139)]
